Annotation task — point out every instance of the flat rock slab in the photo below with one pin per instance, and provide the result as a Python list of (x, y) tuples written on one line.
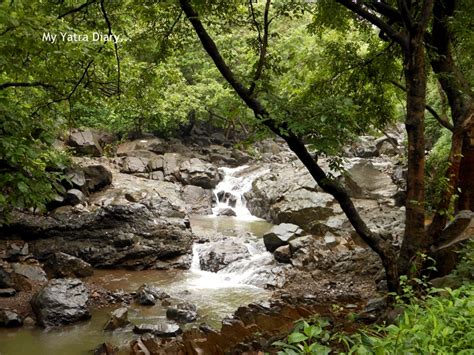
[(163, 330)]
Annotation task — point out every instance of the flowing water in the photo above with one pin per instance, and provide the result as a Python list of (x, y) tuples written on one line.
[(216, 295)]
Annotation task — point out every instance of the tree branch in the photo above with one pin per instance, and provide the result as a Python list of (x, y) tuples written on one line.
[(77, 9), (263, 46), (102, 8), (441, 120), (375, 20)]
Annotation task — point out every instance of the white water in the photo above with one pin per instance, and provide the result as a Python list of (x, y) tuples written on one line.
[(252, 271), (237, 183)]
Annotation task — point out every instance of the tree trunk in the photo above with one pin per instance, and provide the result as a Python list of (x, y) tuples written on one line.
[(466, 173)]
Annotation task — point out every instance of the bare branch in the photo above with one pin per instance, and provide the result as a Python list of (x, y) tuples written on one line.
[(77, 9), (263, 48), (109, 25)]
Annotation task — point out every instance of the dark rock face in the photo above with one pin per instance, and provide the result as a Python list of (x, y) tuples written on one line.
[(60, 265), (118, 319), (97, 177), (10, 319), (162, 330), (227, 212), (130, 235), (148, 295), (74, 197), (7, 292), (182, 313), (283, 254), (61, 301), (281, 235)]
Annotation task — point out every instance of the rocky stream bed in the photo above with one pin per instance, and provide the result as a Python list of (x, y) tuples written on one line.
[(186, 247)]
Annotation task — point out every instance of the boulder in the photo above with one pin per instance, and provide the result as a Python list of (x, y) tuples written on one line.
[(118, 319), (199, 173), (148, 295), (283, 254), (226, 212), (364, 180), (171, 163), (61, 301), (31, 272), (97, 177), (162, 330), (155, 163), (281, 235), (215, 256), (74, 197), (60, 265), (131, 165), (84, 142), (198, 200), (13, 250), (182, 313), (10, 319)]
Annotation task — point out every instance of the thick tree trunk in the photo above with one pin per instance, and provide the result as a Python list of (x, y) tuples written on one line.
[(415, 76)]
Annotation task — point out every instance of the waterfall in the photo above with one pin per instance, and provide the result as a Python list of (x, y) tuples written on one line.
[(229, 193), (252, 271)]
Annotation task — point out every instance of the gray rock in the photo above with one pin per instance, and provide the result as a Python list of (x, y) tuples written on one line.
[(60, 265), (131, 165), (84, 142), (13, 250), (227, 212), (32, 272), (171, 163), (198, 200), (61, 301), (281, 235), (74, 197), (148, 295), (215, 256), (97, 178), (155, 163), (162, 330), (182, 313), (330, 240), (199, 173), (118, 319), (10, 319)]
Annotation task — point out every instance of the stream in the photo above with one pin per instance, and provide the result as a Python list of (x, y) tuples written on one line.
[(216, 294)]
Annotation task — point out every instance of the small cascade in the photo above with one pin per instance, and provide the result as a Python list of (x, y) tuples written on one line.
[(229, 193), (252, 271)]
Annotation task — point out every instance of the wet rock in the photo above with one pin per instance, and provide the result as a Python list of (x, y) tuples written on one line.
[(74, 197), (29, 322), (7, 292), (60, 265), (97, 178), (118, 319), (84, 142), (162, 330), (198, 200), (134, 165), (106, 349), (227, 212), (206, 328), (151, 343), (182, 313), (31, 272), (10, 319), (282, 254), (61, 301), (199, 173), (215, 256), (13, 250), (281, 235), (148, 295)]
